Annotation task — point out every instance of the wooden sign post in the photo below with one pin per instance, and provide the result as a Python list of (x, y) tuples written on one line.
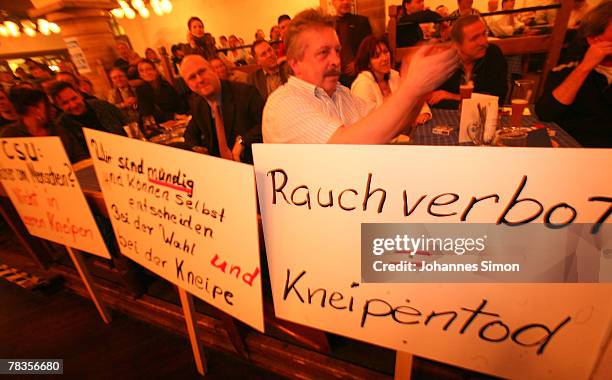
[(192, 331), (318, 232), (79, 263), (39, 180), (403, 365), (178, 214)]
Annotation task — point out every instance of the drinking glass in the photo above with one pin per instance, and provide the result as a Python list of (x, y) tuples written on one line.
[(521, 98)]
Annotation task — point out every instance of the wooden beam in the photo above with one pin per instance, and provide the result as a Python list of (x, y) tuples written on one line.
[(556, 43)]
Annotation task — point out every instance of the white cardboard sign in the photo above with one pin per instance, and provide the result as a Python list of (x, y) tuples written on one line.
[(189, 218), (77, 55), (39, 180), (313, 199)]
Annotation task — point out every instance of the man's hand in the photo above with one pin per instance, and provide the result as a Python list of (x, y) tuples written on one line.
[(440, 95), (428, 68), (190, 40), (350, 69), (596, 54), (130, 101)]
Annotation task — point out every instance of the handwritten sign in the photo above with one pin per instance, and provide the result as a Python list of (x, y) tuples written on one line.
[(39, 180), (190, 218), (77, 55), (314, 199)]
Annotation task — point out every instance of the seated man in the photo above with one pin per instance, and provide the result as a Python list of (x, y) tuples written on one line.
[(482, 63), (79, 113), (313, 108), (409, 31), (271, 75), (226, 115), (578, 95), (505, 25), (122, 95)]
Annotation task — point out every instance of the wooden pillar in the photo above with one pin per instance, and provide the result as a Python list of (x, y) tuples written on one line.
[(372, 9), (375, 11), (84, 23)]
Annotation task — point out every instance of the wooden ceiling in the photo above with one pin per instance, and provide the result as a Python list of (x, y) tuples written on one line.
[(18, 7)]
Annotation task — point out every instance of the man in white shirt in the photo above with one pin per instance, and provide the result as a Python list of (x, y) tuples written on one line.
[(312, 107), (504, 25)]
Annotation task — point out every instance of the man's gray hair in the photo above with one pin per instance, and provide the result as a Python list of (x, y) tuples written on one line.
[(306, 20)]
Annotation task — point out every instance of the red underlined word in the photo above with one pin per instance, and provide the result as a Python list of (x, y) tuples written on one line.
[(175, 187)]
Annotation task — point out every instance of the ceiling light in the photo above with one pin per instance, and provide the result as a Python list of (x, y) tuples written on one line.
[(166, 6), (118, 12), (144, 12), (129, 13), (138, 4), (54, 28), (155, 4), (43, 26)]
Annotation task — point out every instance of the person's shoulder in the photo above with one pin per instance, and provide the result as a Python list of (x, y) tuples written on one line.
[(359, 19), (62, 119), (288, 94), (100, 104), (424, 15), (362, 18), (346, 94), (238, 87), (494, 51), (364, 77), (143, 89), (253, 75), (15, 129)]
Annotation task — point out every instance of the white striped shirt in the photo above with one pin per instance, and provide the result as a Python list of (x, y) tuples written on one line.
[(301, 113)]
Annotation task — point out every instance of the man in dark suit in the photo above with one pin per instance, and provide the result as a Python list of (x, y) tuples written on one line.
[(351, 30), (482, 63), (271, 75), (409, 31), (79, 113), (226, 115)]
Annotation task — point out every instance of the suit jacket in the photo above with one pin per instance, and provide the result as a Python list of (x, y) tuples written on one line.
[(490, 76), (409, 32), (258, 79), (241, 106), (161, 103), (351, 29)]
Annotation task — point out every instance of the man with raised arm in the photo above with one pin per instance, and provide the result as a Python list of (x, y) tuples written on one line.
[(312, 107)]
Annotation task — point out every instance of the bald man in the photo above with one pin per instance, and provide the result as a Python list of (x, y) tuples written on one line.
[(226, 115)]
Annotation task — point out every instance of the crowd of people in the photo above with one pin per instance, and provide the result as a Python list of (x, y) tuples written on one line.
[(319, 79)]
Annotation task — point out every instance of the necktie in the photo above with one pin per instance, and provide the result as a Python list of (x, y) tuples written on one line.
[(224, 149)]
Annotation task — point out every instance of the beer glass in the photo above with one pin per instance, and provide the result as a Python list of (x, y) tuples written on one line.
[(521, 98)]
